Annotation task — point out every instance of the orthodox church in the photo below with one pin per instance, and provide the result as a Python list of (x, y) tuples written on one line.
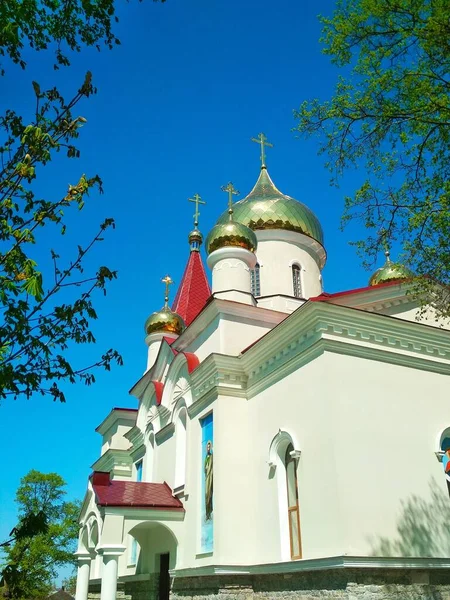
[(286, 441)]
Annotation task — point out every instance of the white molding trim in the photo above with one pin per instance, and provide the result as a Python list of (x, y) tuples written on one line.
[(145, 514), (317, 564)]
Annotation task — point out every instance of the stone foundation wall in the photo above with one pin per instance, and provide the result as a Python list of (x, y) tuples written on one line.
[(338, 584), (332, 584), (145, 589)]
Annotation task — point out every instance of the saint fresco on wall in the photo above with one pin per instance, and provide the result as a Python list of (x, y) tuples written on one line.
[(445, 447), (207, 512)]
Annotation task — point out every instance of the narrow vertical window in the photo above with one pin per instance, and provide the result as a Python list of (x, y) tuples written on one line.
[(296, 282), (133, 551), (293, 508), (139, 471), (255, 280)]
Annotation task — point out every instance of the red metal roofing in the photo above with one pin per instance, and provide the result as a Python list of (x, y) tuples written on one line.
[(193, 291), (137, 494), (324, 296)]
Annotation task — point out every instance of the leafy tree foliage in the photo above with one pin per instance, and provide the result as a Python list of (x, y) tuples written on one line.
[(390, 118), (39, 321), (42, 313), (65, 26), (44, 539)]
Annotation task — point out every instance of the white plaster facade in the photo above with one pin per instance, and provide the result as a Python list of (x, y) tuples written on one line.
[(352, 384)]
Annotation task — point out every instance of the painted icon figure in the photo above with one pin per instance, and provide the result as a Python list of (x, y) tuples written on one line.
[(209, 481)]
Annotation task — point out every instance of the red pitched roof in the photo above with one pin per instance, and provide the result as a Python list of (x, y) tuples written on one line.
[(194, 289), (324, 296), (137, 494)]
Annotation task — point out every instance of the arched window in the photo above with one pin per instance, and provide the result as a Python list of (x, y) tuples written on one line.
[(180, 448), (290, 463), (255, 280), (296, 281)]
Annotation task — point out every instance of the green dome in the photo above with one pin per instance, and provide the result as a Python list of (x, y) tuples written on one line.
[(230, 233), (268, 208), (390, 271), (164, 320)]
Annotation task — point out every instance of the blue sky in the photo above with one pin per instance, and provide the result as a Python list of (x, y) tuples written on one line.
[(176, 107)]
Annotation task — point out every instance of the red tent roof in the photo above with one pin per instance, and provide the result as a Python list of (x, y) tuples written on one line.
[(133, 493), (194, 289)]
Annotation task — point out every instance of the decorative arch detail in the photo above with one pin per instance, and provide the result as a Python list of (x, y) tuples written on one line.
[(278, 447)]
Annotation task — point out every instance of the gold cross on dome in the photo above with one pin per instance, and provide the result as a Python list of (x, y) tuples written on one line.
[(232, 191), (262, 141), (168, 281), (197, 200)]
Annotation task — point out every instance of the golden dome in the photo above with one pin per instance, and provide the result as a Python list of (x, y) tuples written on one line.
[(268, 208), (390, 271), (195, 238), (230, 233), (164, 320)]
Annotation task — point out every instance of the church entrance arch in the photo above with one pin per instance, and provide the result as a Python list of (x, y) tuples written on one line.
[(156, 556)]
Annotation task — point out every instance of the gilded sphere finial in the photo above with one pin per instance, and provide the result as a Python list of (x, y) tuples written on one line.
[(390, 271)]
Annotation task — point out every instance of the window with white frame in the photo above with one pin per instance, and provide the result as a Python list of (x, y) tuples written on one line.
[(132, 551), (139, 470), (255, 280), (296, 281), (290, 463)]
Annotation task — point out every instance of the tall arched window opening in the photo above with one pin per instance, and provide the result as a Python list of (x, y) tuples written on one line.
[(255, 280), (293, 508), (180, 448), (296, 281)]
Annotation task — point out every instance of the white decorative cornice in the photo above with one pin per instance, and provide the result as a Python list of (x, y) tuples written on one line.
[(311, 330), (135, 436), (317, 564), (117, 414), (221, 372), (117, 462)]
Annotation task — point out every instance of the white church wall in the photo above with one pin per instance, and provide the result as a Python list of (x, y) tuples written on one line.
[(276, 257), (233, 336), (300, 406), (207, 342), (236, 495), (367, 435), (388, 418)]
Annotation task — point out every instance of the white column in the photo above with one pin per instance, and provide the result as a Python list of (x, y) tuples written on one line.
[(109, 575), (231, 273), (84, 566)]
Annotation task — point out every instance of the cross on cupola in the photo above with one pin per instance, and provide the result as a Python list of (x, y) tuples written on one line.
[(261, 139), (232, 191), (197, 200), (168, 281)]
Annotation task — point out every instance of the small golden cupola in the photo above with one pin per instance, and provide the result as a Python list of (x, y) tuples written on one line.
[(390, 271), (231, 256), (230, 233), (165, 320)]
